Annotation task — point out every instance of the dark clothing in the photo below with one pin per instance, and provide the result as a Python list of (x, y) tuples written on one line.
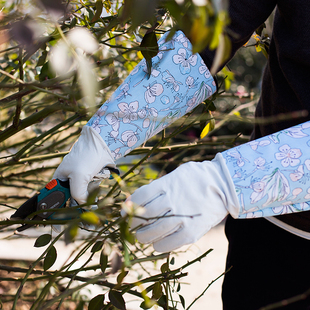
[(286, 79), (268, 263)]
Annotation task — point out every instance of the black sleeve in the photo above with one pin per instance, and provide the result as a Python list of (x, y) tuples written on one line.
[(245, 17)]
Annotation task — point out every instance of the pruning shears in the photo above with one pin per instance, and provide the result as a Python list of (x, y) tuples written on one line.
[(54, 195)]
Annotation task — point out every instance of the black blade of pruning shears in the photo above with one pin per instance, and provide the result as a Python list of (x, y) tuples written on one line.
[(53, 195)]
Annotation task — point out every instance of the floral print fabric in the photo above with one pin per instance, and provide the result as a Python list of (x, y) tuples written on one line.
[(272, 174), (142, 107)]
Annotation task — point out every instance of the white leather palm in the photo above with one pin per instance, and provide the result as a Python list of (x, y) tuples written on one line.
[(184, 204), (83, 164)]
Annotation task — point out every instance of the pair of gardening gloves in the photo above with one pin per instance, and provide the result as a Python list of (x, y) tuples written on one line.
[(264, 177)]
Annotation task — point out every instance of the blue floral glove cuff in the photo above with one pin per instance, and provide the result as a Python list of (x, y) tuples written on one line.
[(272, 174), (142, 107)]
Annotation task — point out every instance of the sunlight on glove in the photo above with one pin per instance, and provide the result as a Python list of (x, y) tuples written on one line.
[(185, 204), (84, 164)]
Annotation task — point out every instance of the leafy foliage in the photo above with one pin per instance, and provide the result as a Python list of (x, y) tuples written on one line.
[(59, 62)]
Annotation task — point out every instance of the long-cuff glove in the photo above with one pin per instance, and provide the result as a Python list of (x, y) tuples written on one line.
[(182, 206), (138, 109), (265, 177)]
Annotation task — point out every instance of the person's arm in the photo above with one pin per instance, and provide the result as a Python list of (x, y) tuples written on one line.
[(140, 108), (264, 177)]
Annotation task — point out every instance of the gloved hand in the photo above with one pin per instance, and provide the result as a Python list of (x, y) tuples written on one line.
[(140, 108), (84, 164), (184, 204)]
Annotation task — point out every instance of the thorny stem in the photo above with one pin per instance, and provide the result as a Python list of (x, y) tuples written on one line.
[(40, 115), (32, 86), (19, 100), (31, 267), (207, 288)]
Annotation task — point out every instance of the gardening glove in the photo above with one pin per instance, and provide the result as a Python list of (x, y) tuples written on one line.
[(141, 107), (85, 165), (182, 206), (265, 177)]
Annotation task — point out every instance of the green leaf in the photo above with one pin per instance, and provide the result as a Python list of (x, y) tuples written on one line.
[(164, 268), (99, 7), (178, 287), (211, 106), (43, 240), (117, 299), (126, 234), (96, 303), (157, 290), (46, 72), (97, 247), (162, 301), (50, 258), (91, 199), (80, 305), (182, 301), (73, 22), (42, 59), (121, 276), (149, 42), (70, 233), (90, 217), (147, 304), (103, 262)]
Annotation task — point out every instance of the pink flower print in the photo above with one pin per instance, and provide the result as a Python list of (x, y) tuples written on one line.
[(101, 111), (97, 126), (184, 61), (191, 103), (296, 192), (288, 156), (116, 153), (260, 163), (152, 91), (190, 82), (124, 88), (255, 144), (258, 191), (203, 69), (308, 195), (146, 123), (290, 208), (130, 137), (295, 132), (181, 38), (113, 120), (169, 79), (128, 112), (307, 164), (297, 174), (283, 209), (142, 113)]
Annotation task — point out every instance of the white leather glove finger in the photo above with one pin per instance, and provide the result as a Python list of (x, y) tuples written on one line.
[(178, 239), (84, 163), (144, 196), (196, 197)]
